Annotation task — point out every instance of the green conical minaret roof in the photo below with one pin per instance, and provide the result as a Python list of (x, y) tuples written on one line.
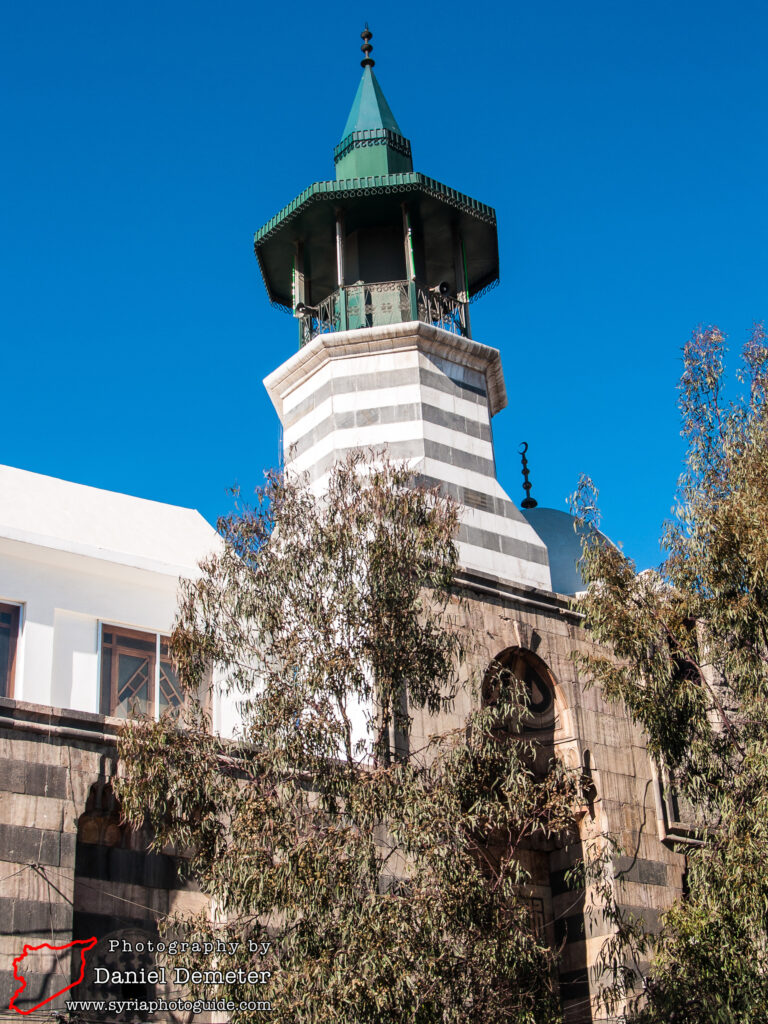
[(370, 109), (372, 142)]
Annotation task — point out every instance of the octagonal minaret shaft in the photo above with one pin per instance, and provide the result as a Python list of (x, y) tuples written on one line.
[(424, 396)]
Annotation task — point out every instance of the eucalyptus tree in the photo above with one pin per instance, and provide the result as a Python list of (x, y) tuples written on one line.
[(689, 660), (385, 876)]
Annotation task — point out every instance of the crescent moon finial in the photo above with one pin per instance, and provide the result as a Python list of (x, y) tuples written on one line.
[(528, 501)]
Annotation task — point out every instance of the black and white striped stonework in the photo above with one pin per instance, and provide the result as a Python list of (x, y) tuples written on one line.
[(426, 396)]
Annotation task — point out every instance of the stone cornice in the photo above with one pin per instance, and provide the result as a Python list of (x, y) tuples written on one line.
[(63, 724), (389, 338)]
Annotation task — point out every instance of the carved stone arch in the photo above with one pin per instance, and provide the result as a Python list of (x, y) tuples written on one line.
[(549, 712), (121, 889), (549, 862)]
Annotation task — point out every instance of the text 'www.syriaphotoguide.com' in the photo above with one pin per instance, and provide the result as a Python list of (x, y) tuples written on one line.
[(120, 1006)]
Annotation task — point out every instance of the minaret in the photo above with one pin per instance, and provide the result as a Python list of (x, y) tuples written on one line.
[(379, 267)]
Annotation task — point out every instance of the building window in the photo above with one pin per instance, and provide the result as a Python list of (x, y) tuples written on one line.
[(137, 675), (9, 632), (170, 693), (527, 668)]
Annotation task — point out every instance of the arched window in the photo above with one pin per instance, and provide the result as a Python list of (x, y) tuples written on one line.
[(520, 664)]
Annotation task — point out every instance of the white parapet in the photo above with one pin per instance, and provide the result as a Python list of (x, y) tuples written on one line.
[(423, 395)]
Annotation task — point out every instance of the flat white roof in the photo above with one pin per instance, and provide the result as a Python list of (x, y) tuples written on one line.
[(114, 527)]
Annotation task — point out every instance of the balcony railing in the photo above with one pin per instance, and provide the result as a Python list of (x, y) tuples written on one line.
[(381, 303)]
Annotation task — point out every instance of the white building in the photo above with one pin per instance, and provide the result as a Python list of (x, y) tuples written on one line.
[(88, 595)]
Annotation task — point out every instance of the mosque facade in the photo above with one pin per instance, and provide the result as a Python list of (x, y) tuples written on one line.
[(380, 268)]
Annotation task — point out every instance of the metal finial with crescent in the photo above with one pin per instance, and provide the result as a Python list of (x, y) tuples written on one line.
[(528, 501)]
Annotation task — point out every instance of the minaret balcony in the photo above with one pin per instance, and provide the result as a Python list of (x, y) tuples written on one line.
[(360, 305)]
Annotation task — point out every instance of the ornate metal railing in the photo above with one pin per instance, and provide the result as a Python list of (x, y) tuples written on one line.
[(380, 303), (321, 319), (442, 310), (373, 305)]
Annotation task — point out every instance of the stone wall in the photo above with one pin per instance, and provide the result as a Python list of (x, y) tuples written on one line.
[(68, 868), (589, 734)]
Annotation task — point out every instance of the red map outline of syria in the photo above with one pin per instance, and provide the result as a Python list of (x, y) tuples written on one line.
[(85, 943)]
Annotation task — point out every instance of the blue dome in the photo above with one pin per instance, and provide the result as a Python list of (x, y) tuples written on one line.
[(558, 531)]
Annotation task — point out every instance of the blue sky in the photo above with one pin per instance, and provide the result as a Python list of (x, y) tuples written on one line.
[(623, 145)]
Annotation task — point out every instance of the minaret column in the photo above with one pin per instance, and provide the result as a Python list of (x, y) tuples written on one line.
[(299, 289), (460, 271), (410, 262), (340, 269)]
